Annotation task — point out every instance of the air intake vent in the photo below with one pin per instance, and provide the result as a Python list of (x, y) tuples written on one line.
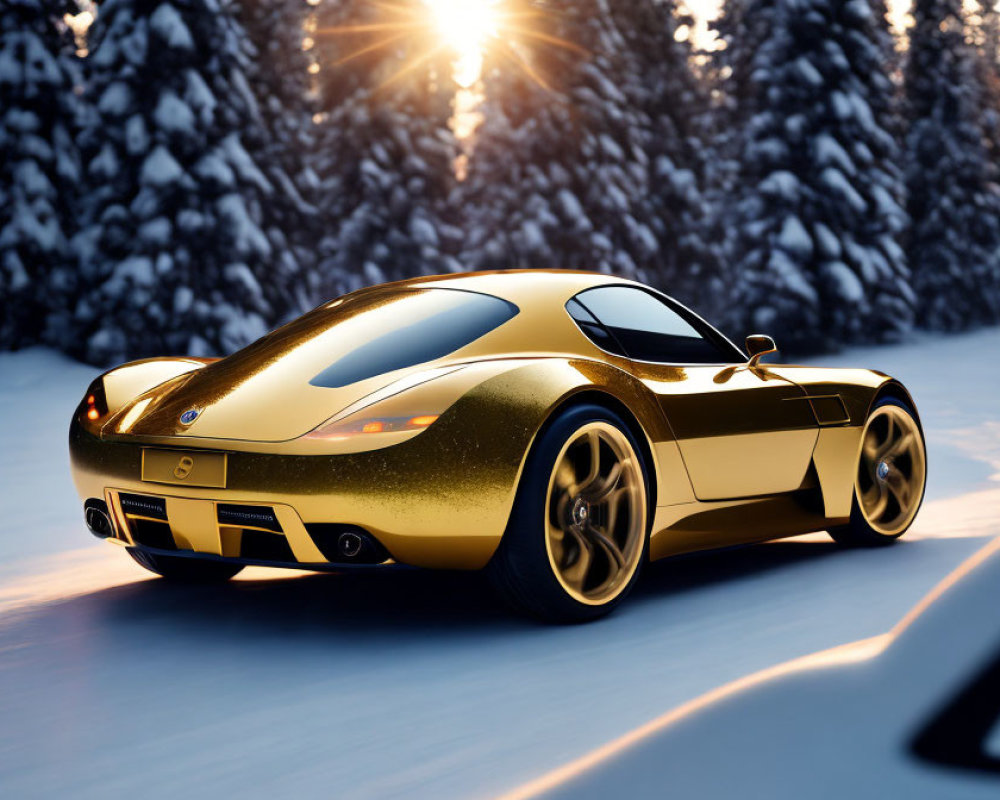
[(152, 534), (249, 517), (143, 506)]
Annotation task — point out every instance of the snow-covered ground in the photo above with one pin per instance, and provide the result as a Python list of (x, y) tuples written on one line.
[(413, 684)]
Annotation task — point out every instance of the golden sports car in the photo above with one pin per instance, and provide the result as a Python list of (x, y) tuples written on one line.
[(556, 428)]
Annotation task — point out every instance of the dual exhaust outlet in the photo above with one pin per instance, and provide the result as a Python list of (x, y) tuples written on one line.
[(352, 544)]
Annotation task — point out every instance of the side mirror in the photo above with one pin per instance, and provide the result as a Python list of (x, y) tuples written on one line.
[(758, 345)]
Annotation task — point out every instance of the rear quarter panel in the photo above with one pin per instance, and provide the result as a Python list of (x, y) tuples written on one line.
[(441, 499)]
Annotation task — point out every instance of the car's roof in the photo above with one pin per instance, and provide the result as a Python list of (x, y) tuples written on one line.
[(526, 288)]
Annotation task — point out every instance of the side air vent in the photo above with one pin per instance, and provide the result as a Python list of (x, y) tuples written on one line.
[(249, 517), (143, 506)]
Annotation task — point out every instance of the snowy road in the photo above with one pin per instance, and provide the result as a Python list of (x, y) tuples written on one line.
[(413, 684)]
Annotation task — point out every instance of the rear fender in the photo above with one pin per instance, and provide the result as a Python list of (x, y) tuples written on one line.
[(123, 384)]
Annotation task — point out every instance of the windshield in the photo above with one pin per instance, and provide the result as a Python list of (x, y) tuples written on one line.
[(359, 336), (406, 329)]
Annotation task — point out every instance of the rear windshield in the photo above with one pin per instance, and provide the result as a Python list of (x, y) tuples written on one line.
[(404, 329)]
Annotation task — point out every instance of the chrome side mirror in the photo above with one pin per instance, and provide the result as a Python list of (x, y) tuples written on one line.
[(758, 345)]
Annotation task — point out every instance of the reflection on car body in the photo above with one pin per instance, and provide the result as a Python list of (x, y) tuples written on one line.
[(555, 428)]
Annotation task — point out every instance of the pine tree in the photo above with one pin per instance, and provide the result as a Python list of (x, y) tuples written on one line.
[(954, 201), (386, 151), (174, 257), (285, 144), (39, 164), (815, 195), (586, 157), (661, 85)]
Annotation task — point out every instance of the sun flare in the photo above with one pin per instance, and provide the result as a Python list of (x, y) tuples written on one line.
[(465, 27)]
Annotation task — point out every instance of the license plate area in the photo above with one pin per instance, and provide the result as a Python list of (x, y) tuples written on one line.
[(184, 468)]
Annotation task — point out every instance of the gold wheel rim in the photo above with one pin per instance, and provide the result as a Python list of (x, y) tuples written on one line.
[(891, 470), (595, 514)]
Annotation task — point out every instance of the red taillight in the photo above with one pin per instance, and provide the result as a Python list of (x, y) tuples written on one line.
[(339, 430), (94, 404)]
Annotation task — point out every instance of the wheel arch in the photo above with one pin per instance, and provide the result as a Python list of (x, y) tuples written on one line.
[(593, 395), (894, 389)]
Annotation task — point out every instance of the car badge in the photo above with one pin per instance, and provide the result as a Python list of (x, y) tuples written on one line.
[(190, 416)]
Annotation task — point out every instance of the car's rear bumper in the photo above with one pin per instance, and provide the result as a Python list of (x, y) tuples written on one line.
[(428, 502), (267, 534), (319, 566)]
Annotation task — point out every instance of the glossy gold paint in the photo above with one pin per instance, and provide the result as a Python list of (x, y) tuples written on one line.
[(735, 453)]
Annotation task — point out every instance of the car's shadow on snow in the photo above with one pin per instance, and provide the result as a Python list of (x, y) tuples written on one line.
[(410, 601)]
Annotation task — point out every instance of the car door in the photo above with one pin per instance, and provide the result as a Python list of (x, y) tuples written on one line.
[(742, 431)]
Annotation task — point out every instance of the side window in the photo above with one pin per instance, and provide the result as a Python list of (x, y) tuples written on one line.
[(593, 329), (647, 329)]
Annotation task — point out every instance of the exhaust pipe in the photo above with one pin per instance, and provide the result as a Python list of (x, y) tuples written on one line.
[(346, 544), (349, 544), (98, 521)]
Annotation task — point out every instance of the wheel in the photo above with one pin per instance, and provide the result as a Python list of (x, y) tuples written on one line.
[(185, 570), (890, 479), (578, 532)]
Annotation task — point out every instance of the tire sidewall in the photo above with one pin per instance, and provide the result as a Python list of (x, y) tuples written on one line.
[(858, 521), (524, 541)]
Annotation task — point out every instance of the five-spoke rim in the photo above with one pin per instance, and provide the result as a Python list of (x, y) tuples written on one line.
[(891, 471), (595, 514)]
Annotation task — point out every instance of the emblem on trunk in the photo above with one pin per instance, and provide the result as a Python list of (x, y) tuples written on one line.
[(190, 416), (184, 467)]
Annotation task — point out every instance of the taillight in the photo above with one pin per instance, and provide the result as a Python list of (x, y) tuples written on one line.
[(344, 428), (95, 404)]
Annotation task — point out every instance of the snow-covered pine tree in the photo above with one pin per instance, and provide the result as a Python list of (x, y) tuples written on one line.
[(558, 176), (174, 258), (386, 151), (39, 164), (660, 84), (283, 147), (984, 23), (585, 158), (815, 201), (954, 201)]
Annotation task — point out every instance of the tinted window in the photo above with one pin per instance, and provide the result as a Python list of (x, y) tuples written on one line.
[(593, 329), (650, 330), (412, 328)]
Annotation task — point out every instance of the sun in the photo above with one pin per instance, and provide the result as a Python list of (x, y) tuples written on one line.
[(465, 27), (465, 24)]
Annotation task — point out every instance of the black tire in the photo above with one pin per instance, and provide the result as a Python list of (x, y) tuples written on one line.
[(185, 570), (858, 532), (520, 571)]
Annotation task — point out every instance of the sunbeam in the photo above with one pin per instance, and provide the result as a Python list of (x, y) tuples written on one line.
[(466, 29)]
